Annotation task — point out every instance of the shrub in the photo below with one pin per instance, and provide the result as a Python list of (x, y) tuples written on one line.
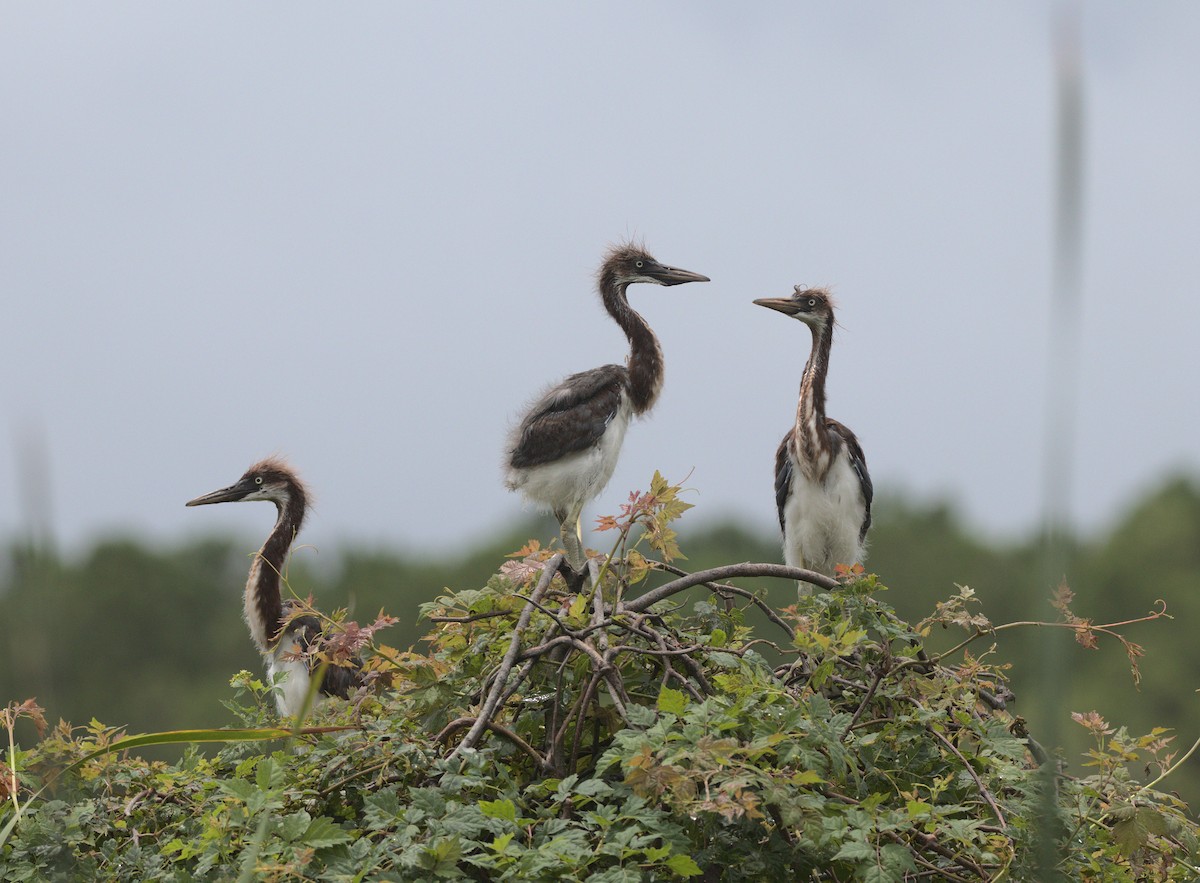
[(565, 729)]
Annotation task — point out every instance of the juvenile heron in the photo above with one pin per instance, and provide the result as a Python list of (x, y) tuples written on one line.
[(565, 449), (822, 488), (280, 638)]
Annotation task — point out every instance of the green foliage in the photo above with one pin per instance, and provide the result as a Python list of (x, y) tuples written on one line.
[(551, 732)]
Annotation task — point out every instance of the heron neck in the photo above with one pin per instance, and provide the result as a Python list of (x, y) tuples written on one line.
[(811, 436), (645, 355), (263, 601)]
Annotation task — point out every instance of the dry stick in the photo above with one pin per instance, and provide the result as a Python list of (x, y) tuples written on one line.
[(629, 648), (1106, 628), (638, 626), (552, 725), (930, 842), (546, 610), (943, 873), (555, 754), (863, 705), (474, 617), (534, 653), (518, 680), (587, 698), (987, 795), (729, 571), (616, 691), (462, 722), (718, 588), (501, 680)]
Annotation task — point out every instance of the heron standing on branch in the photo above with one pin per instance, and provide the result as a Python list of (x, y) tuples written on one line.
[(565, 449), (822, 488), (281, 636)]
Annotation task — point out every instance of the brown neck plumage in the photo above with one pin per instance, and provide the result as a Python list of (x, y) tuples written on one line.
[(811, 437), (263, 601), (645, 356)]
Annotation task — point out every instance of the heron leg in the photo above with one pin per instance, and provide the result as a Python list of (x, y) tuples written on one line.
[(571, 532), (803, 589)]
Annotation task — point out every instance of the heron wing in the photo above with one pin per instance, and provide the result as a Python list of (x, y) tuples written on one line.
[(783, 476), (858, 460), (339, 680), (571, 417)]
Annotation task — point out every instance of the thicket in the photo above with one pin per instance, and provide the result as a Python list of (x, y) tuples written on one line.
[(651, 724)]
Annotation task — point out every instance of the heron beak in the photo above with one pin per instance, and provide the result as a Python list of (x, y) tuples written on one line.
[(674, 276), (784, 305), (230, 494)]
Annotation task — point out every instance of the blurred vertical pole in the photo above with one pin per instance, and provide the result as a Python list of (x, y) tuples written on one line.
[(34, 562), (1061, 393), (33, 488)]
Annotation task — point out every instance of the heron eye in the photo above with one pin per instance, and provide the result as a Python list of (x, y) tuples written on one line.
[(258, 479), (639, 265), (812, 301)]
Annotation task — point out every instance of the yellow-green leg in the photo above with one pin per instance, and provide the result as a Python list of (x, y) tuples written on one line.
[(571, 532)]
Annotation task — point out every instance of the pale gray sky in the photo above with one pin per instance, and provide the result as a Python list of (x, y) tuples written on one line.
[(365, 236)]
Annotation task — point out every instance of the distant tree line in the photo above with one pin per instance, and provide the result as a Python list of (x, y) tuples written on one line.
[(149, 638)]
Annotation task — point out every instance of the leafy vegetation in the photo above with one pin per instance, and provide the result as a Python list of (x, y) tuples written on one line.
[(661, 725)]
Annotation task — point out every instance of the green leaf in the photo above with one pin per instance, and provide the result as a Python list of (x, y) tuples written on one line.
[(504, 810), (323, 832), (684, 866), (268, 774), (640, 716), (671, 701), (293, 826), (1133, 831), (880, 874), (592, 788), (239, 789), (855, 850)]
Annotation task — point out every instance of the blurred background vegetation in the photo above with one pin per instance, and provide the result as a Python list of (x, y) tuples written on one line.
[(148, 637)]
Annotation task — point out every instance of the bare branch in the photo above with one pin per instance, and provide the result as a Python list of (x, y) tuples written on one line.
[(463, 722), (510, 658), (729, 571), (722, 588)]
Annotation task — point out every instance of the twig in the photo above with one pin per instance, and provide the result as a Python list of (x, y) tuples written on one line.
[(510, 658), (862, 706), (534, 653), (729, 571), (463, 722), (928, 841), (518, 680), (987, 795), (1105, 628), (682, 651), (718, 588), (588, 692), (639, 626), (475, 617), (1172, 767)]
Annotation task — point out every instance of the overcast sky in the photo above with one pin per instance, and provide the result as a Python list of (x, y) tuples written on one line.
[(364, 236)]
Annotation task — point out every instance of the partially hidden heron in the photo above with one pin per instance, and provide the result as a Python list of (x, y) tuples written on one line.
[(279, 635), (822, 488), (564, 450)]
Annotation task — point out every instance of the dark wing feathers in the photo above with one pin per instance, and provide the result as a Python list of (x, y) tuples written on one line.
[(339, 680), (783, 476), (858, 460), (569, 418)]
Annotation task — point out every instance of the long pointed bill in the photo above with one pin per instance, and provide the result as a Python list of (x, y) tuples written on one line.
[(675, 276), (784, 305), (230, 494)]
